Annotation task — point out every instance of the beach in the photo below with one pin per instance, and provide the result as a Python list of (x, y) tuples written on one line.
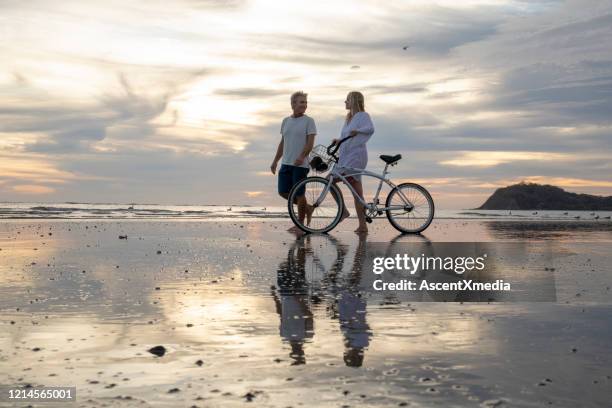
[(83, 301), (155, 155)]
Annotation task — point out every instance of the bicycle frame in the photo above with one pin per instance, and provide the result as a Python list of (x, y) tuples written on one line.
[(373, 206)]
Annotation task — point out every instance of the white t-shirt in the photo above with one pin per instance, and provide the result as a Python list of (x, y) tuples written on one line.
[(295, 132)]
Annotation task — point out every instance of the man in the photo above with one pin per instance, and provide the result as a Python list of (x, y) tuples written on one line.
[(298, 132)]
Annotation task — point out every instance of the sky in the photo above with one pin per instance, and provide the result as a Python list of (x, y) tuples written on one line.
[(181, 102)]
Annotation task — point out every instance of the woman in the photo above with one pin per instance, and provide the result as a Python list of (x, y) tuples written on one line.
[(353, 153)]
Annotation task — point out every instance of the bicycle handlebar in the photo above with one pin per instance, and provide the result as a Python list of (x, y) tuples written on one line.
[(337, 145)]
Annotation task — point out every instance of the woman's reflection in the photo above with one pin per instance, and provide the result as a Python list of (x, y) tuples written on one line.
[(352, 311)]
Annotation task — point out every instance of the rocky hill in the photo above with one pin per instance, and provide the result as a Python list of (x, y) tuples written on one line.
[(531, 196)]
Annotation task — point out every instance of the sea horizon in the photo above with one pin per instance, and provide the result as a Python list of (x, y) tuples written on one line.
[(96, 211)]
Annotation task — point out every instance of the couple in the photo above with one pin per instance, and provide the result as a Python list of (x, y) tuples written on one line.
[(298, 132)]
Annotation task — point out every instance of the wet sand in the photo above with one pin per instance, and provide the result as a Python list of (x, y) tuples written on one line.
[(81, 307)]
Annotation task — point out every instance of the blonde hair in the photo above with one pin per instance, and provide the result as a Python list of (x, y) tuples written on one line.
[(296, 95), (356, 104)]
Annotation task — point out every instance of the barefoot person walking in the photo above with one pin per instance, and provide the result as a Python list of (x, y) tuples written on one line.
[(359, 128), (298, 132)]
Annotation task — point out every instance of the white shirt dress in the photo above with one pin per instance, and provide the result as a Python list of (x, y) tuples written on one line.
[(353, 153)]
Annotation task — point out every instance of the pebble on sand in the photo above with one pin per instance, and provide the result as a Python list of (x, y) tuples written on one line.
[(159, 351)]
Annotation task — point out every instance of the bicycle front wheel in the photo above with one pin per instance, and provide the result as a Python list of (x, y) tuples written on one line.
[(411, 211), (321, 208)]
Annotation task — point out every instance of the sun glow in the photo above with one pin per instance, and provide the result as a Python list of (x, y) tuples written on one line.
[(490, 159)]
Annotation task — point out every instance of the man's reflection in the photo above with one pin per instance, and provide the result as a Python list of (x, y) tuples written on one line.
[(292, 302)]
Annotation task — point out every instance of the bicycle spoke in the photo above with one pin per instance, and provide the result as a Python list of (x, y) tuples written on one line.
[(419, 216), (325, 215)]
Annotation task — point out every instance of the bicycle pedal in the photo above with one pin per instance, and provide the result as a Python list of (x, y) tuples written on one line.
[(379, 212), (368, 220)]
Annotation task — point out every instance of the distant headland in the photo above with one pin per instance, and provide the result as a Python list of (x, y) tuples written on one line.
[(531, 196)]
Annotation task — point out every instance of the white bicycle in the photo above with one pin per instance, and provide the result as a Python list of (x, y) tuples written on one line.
[(409, 206)]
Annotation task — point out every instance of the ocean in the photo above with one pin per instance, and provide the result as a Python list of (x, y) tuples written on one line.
[(73, 210)]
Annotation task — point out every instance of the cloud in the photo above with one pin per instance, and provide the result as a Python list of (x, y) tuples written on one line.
[(32, 189), (69, 127), (398, 88), (489, 158), (430, 31), (571, 183), (32, 168), (228, 5), (253, 194), (252, 92)]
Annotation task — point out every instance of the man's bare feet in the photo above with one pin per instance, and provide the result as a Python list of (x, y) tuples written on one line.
[(362, 230), (294, 230), (309, 211), (345, 214)]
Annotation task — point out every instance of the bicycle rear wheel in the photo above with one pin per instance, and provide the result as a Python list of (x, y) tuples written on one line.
[(324, 216), (413, 216)]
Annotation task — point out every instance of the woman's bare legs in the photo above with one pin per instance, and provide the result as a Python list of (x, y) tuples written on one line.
[(359, 208), (345, 213)]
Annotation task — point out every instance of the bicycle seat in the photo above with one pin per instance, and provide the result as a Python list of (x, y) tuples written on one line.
[(390, 159)]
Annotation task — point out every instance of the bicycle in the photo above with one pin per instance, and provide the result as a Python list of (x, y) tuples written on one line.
[(409, 206)]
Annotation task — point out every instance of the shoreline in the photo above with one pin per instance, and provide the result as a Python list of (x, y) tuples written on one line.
[(285, 218)]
